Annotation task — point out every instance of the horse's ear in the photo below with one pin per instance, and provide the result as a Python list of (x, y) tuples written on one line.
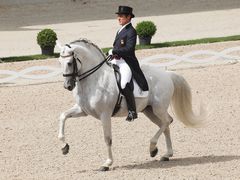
[(59, 44)]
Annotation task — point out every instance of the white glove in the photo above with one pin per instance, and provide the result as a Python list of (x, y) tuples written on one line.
[(110, 52)]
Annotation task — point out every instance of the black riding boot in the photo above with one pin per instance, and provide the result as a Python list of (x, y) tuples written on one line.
[(128, 93)]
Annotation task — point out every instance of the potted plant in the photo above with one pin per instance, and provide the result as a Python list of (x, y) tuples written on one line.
[(46, 39), (145, 31)]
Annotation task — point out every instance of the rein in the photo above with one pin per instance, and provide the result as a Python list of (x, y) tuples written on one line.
[(91, 71), (85, 74)]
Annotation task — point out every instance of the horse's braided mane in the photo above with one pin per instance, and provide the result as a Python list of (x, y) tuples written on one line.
[(90, 43)]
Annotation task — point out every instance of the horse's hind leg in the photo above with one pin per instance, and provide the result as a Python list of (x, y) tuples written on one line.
[(163, 124), (75, 111), (169, 153)]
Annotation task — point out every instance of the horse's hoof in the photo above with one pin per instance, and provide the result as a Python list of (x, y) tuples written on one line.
[(154, 152), (104, 168), (65, 150), (164, 159)]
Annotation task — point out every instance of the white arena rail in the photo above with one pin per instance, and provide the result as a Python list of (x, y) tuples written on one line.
[(189, 57), (152, 61), (24, 73)]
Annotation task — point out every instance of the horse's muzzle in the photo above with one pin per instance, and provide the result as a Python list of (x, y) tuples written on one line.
[(69, 84)]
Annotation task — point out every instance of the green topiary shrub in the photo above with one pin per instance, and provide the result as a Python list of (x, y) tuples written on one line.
[(47, 41), (146, 29), (46, 38)]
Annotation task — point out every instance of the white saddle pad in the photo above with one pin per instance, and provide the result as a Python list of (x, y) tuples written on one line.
[(138, 93)]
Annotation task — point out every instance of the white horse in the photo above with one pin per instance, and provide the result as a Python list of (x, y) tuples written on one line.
[(96, 94)]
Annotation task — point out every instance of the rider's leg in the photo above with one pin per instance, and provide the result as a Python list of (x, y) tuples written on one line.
[(126, 76), (128, 93)]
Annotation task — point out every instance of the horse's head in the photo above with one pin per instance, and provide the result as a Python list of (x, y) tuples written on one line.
[(71, 65), (79, 60)]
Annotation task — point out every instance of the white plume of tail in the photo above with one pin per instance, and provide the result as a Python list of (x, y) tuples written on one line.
[(182, 103)]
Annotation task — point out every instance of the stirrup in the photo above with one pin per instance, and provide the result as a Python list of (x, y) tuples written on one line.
[(131, 116)]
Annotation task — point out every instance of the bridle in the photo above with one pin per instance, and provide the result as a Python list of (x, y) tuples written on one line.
[(84, 75), (75, 69)]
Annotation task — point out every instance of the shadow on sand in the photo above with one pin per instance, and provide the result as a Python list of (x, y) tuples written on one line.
[(178, 162)]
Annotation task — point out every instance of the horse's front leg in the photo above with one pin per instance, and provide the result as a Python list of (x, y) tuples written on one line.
[(75, 111), (107, 130)]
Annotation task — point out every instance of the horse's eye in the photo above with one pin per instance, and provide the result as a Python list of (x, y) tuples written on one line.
[(69, 64)]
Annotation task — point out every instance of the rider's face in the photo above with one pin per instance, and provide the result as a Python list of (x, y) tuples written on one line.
[(123, 19)]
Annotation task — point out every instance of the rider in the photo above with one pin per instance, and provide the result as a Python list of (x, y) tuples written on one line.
[(123, 55)]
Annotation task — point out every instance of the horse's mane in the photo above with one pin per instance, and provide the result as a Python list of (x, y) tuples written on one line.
[(86, 41)]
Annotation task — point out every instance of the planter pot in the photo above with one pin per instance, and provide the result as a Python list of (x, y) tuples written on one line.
[(48, 50), (145, 40)]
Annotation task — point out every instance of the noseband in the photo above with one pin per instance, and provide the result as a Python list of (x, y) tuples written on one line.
[(82, 76)]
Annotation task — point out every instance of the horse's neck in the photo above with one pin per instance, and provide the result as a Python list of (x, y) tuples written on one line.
[(97, 80), (89, 58), (98, 85), (99, 74)]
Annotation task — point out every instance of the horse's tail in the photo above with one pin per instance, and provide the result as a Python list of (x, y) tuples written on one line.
[(182, 103)]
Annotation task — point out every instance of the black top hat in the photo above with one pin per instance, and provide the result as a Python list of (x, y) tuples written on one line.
[(125, 10)]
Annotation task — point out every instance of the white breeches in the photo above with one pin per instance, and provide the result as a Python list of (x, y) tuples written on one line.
[(125, 71)]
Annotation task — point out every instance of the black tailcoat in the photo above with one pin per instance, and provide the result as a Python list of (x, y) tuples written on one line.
[(124, 47)]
